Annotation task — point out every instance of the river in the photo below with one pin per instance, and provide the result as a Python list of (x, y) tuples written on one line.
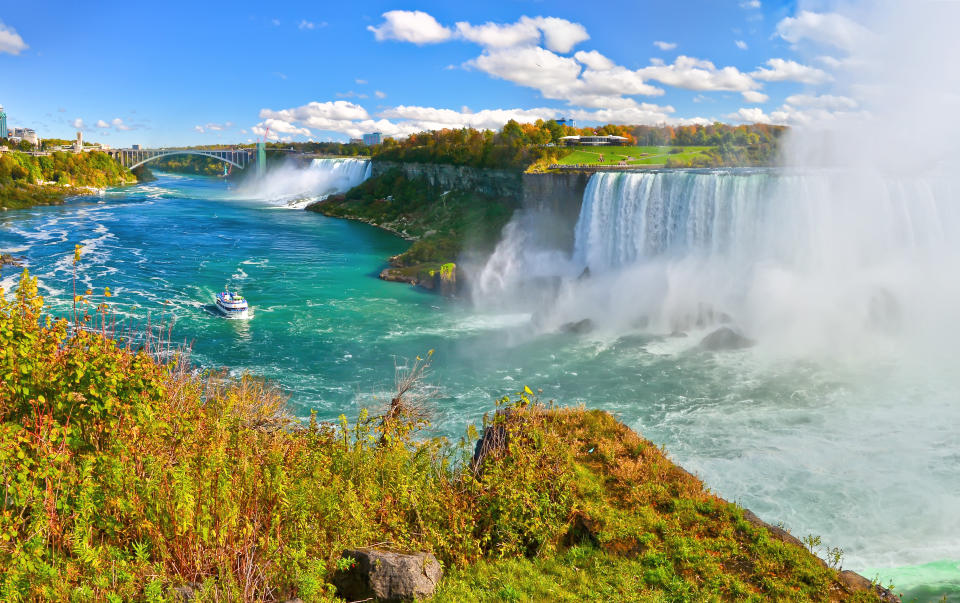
[(864, 454)]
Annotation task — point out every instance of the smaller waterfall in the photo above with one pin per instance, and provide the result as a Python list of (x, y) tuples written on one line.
[(295, 186)]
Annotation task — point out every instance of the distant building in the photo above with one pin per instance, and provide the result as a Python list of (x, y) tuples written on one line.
[(372, 138), (594, 141), (563, 121), (78, 145), (25, 134), (4, 133), (135, 147), (356, 141)]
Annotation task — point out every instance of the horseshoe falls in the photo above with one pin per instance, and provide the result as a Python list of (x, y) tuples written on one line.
[(840, 420)]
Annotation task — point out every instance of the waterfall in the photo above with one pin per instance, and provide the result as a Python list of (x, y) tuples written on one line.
[(295, 186), (807, 258)]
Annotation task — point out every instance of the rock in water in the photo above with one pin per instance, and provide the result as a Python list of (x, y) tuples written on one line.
[(725, 338), (580, 327), (387, 576)]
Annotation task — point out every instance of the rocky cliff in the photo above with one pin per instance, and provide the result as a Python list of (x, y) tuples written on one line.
[(493, 183)]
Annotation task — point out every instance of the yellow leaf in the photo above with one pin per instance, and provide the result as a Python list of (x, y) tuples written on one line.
[(527, 390)]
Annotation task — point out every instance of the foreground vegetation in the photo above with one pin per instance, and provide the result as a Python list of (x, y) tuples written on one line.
[(126, 478), (27, 180)]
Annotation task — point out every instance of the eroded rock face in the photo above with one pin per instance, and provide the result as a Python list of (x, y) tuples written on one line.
[(388, 576), (725, 338)]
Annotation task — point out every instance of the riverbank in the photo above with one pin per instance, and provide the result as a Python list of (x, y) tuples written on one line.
[(182, 483), (26, 180), (20, 195), (442, 223)]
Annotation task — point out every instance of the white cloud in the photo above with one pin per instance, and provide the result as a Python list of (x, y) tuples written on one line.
[(750, 4), (696, 74), (379, 94), (594, 60), (829, 29), (316, 113), (10, 40), (751, 115), (752, 96), (783, 70), (119, 125), (272, 128), (825, 101), (405, 120), (360, 82), (740, 44), (532, 66), (819, 110), (415, 26), (77, 123), (640, 113), (488, 119), (665, 45), (102, 124), (214, 127), (493, 35), (559, 35), (559, 77), (304, 24)]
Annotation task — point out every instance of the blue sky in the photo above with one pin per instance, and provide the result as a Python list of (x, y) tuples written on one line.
[(201, 72)]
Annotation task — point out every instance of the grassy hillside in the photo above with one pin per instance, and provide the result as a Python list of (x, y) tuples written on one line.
[(125, 478), (587, 155)]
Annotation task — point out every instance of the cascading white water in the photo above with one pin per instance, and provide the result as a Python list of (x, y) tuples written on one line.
[(294, 186), (795, 259)]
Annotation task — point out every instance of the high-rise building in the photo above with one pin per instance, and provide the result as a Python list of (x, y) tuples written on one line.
[(372, 138), (3, 124)]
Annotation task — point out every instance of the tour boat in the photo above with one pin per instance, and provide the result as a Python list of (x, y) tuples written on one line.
[(232, 305)]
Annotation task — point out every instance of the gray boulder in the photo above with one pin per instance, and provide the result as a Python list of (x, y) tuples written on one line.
[(725, 338), (388, 576), (578, 328)]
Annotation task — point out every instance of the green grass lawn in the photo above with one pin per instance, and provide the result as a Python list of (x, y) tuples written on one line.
[(630, 155)]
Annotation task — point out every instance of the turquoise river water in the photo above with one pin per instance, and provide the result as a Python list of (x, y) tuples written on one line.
[(823, 447)]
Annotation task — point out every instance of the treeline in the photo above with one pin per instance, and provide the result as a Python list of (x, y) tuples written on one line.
[(189, 164), (345, 149), (515, 146), (716, 134), (66, 169)]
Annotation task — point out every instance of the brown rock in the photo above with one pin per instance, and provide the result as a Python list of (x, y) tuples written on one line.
[(854, 583), (388, 576)]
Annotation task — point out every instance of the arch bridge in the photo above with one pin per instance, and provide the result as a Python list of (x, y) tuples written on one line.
[(134, 158)]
